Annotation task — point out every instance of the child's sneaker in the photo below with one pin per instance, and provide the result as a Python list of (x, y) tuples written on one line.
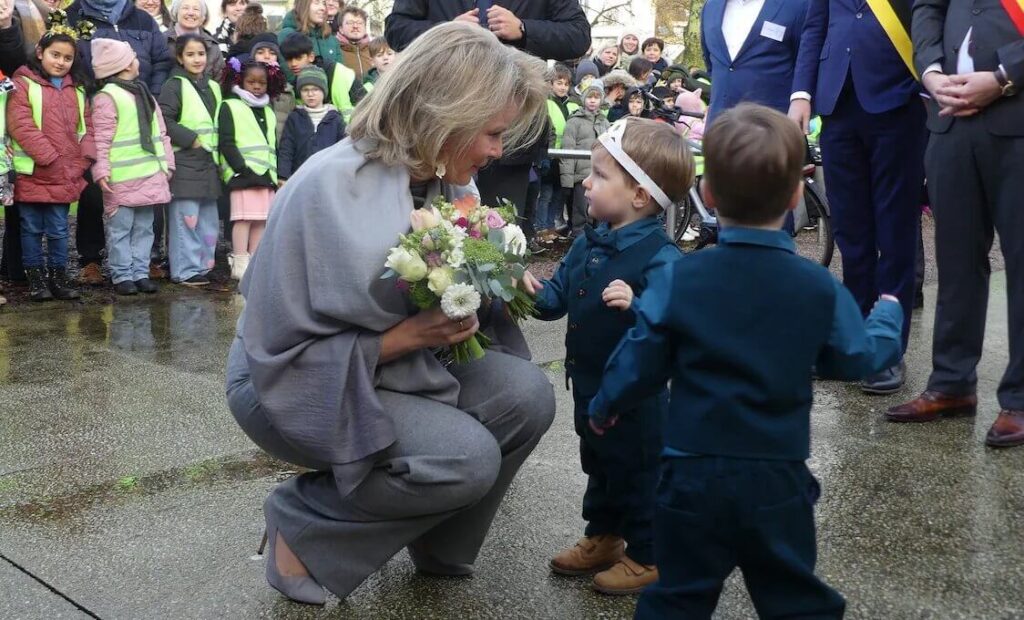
[(590, 555), (626, 577)]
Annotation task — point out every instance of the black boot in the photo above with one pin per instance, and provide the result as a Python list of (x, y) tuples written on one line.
[(59, 285), (38, 291)]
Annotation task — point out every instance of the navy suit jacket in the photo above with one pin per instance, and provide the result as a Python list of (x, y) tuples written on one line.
[(843, 38), (762, 71)]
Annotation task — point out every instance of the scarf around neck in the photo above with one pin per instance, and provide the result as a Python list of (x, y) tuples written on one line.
[(257, 102), (360, 43), (144, 104)]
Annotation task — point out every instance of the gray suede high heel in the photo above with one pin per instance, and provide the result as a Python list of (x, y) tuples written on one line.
[(299, 589)]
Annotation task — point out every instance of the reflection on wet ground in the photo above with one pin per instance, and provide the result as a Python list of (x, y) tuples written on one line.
[(127, 488)]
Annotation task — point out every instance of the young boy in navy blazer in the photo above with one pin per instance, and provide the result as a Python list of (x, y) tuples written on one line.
[(639, 168), (738, 329)]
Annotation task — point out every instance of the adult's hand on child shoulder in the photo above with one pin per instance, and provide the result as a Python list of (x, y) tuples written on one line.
[(531, 284), (618, 295)]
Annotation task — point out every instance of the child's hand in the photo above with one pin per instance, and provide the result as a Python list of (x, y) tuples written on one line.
[(618, 295), (104, 185), (531, 284), (600, 429)]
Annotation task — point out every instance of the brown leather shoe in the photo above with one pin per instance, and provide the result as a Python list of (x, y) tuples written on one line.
[(626, 577), (1007, 431), (932, 406), (156, 272), (590, 555), (91, 274)]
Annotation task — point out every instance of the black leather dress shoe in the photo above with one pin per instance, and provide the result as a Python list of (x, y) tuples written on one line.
[(886, 382)]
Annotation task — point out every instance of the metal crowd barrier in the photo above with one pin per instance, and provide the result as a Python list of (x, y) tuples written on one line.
[(670, 214)]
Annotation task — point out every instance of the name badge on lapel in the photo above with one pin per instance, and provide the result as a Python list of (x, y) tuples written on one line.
[(773, 31)]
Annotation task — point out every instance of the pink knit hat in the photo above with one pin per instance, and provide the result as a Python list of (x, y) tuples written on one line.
[(110, 57)]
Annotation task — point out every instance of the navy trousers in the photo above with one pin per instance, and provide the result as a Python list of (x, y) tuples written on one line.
[(874, 169), (622, 470), (714, 514)]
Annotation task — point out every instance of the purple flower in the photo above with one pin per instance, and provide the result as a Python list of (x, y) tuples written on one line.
[(434, 259), (494, 219), (462, 222), (474, 233), (402, 285)]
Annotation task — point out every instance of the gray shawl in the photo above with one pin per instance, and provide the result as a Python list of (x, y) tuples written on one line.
[(316, 308)]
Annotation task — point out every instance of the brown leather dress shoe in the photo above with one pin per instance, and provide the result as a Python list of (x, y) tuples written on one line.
[(592, 554), (1007, 431), (932, 406)]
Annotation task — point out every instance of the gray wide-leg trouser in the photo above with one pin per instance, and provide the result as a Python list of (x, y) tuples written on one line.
[(435, 490)]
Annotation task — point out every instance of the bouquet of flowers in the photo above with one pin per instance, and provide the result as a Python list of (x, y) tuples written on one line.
[(458, 255)]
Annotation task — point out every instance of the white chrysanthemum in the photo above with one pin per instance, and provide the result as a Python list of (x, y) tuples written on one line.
[(460, 301), (514, 241)]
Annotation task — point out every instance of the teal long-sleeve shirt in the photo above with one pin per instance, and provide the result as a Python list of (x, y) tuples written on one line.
[(738, 329)]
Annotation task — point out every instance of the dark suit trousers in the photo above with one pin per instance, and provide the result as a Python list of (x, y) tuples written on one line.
[(89, 238), (976, 183), (874, 170)]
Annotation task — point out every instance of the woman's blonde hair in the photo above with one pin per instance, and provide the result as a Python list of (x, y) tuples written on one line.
[(443, 89), (306, 26)]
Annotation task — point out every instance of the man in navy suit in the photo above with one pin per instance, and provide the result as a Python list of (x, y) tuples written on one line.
[(873, 139), (750, 50)]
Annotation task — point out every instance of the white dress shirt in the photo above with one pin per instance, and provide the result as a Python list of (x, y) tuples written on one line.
[(737, 23)]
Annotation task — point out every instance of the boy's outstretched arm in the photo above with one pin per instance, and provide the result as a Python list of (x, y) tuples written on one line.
[(641, 363), (550, 299), (859, 347)]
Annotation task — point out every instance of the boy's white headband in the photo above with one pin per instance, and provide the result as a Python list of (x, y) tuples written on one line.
[(611, 140)]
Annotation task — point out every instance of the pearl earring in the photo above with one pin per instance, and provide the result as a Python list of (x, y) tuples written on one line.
[(440, 170)]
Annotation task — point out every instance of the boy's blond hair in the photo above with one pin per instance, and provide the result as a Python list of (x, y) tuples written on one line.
[(660, 152), (753, 161), (410, 115)]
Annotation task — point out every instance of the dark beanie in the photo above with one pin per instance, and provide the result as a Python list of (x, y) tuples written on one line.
[(265, 39), (311, 76)]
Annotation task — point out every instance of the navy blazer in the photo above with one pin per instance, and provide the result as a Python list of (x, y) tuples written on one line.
[(843, 37), (762, 71)]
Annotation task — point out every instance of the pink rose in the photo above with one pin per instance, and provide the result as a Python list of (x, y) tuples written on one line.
[(474, 234), (494, 219)]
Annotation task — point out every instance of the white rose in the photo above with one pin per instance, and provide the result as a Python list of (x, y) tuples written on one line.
[(410, 267), (513, 240), (425, 218), (439, 280)]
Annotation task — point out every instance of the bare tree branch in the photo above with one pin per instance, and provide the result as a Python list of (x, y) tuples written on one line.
[(608, 14)]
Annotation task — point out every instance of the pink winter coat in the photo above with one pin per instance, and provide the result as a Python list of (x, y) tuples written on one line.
[(60, 158), (152, 190), (687, 101)]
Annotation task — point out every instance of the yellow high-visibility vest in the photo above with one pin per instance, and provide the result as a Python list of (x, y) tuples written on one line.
[(128, 160), (196, 116), (23, 164), (558, 121), (258, 149)]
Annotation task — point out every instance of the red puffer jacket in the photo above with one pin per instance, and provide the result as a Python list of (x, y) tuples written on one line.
[(61, 160)]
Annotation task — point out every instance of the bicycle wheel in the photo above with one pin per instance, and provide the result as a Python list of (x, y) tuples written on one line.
[(814, 241)]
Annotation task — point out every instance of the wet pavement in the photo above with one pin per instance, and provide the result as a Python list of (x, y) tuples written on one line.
[(127, 491)]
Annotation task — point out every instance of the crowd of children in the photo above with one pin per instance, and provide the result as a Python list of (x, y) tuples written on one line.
[(581, 106), (241, 135)]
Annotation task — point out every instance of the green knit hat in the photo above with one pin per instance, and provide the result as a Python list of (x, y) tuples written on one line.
[(311, 76)]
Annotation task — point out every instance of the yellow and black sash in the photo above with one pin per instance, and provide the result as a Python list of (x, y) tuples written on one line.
[(894, 16)]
